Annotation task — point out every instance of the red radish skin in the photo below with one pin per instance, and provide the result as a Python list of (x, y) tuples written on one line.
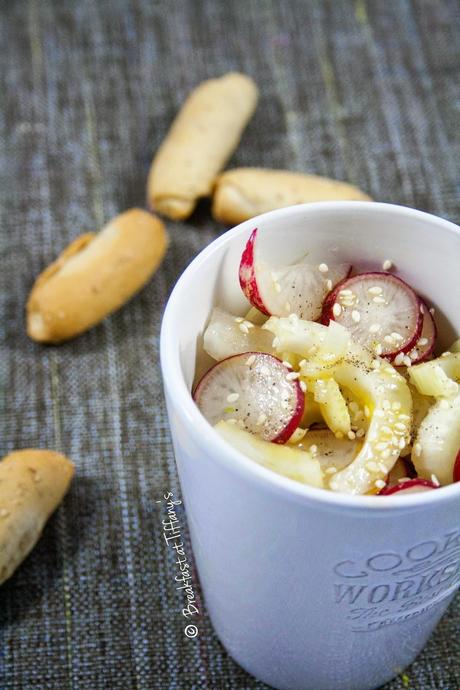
[(423, 351), (456, 476), (376, 279), (419, 484), (297, 288), (247, 275), (262, 387)]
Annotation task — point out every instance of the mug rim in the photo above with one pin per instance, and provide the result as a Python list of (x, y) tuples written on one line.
[(200, 428)]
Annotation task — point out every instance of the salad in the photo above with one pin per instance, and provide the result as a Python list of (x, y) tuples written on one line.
[(330, 379)]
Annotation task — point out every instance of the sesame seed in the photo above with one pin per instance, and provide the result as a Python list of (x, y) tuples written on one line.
[(431, 311), (239, 319), (379, 300), (261, 419), (292, 376), (323, 268), (356, 316), (302, 362), (397, 406), (331, 470), (338, 434), (367, 412), (379, 484), (360, 433), (287, 364), (386, 430), (402, 443), (386, 454), (250, 360), (243, 328), (413, 354), (354, 407), (329, 284), (389, 339), (303, 386), (277, 287), (387, 264), (397, 336), (398, 360), (422, 341), (346, 292), (231, 421), (407, 361), (313, 449), (232, 397), (293, 318), (336, 309), (378, 349), (435, 480), (401, 480), (400, 426), (417, 449), (381, 446), (375, 290), (374, 328), (351, 435)]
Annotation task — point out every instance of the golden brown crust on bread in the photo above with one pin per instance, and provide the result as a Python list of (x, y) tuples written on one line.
[(95, 275), (201, 140), (242, 193), (32, 484)]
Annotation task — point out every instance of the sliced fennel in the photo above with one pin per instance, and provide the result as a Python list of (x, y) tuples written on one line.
[(333, 406), (438, 441), (438, 377), (282, 459)]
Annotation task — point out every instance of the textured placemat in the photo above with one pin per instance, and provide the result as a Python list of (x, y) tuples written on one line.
[(363, 91)]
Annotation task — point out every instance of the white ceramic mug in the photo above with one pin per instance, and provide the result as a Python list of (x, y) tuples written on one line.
[(308, 589)]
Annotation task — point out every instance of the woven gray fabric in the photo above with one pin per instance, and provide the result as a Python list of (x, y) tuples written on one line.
[(362, 91)]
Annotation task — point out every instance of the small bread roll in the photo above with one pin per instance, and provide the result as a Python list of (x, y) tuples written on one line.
[(201, 140), (32, 484), (246, 192), (94, 276)]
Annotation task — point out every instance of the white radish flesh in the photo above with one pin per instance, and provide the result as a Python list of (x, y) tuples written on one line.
[(296, 289), (254, 390), (381, 312)]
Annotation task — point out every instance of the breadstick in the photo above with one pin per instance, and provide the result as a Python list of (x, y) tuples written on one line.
[(32, 484), (94, 276), (245, 192), (202, 138)]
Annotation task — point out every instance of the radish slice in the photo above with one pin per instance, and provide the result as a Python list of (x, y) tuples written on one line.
[(256, 391), (381, 312), (456, 472), (297, 289), (425, 344), (412, 486), (227, 335)]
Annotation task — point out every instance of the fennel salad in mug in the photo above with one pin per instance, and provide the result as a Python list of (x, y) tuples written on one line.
[(331, 378)]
